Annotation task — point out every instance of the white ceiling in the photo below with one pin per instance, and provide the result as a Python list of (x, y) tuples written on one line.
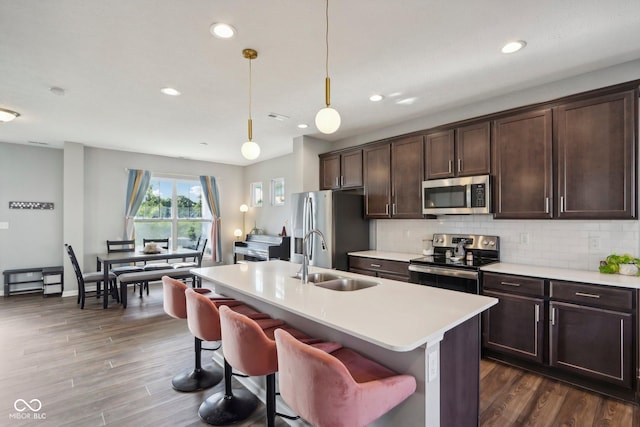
[(112, 58)]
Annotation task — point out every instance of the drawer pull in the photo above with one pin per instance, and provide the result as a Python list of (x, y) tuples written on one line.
[(376, 265), (582, 294), (510, 284)]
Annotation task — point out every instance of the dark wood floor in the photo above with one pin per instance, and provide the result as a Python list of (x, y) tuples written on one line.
[(98, 367)]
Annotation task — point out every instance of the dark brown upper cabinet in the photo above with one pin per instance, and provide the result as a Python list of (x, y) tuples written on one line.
[(464, 151), (341, 170), (523, 168), (393, 178), (596, 154)]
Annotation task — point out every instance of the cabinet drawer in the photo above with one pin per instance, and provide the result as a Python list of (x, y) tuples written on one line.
[(513, 284), (375, 264), (601, 296)]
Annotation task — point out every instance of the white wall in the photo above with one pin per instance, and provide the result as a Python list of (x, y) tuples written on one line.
[(34, 237), (269, 218)]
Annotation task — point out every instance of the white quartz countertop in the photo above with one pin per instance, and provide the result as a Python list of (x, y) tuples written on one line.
[(392, 256), (582, 276), (394, 315)]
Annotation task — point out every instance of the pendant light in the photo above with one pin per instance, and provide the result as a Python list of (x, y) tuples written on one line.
[(327, 119), (250, 150)]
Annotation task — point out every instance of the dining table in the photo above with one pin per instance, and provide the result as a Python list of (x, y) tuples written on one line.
[(106, 260)]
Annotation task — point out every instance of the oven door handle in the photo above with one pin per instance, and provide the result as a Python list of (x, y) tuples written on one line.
[(451, 272)]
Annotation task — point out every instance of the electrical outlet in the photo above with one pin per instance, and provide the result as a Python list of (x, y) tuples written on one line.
[(524, 238), (594, 243), (434, 364)]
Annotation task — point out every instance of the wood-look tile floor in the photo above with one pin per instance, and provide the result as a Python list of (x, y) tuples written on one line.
[(96, 367)]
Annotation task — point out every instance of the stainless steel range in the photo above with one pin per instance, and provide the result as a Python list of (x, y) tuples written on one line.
[(456, 261)]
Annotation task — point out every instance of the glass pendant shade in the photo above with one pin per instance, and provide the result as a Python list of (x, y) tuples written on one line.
[(328, 120), (250, 150)]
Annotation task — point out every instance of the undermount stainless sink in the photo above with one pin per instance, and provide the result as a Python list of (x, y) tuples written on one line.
[(337, 283), (346, 284), (318, 277)]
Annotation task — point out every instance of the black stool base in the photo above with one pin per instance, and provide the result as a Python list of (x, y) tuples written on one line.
[(197, 379), (222, 409)]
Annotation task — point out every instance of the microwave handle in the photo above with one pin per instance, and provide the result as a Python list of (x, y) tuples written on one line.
[(468, 196)]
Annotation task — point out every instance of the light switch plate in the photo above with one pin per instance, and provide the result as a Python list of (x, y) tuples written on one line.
[(4, 225), (434, 364)]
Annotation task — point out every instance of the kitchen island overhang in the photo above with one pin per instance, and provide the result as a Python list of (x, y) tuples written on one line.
[(398, 324)]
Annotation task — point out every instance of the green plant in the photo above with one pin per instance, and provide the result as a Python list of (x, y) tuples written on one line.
[(611, 265)]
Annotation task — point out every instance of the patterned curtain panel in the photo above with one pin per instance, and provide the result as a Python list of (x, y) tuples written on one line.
[(210, 189), (136, 190)]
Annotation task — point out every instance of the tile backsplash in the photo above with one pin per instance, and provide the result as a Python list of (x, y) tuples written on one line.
[(578, 244)]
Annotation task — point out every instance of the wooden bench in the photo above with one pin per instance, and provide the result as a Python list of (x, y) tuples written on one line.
[(150, 276)]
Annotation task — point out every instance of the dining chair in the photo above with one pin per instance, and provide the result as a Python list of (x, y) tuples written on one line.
[(196, 263), (120, 246), (155, 265), (95, 277)]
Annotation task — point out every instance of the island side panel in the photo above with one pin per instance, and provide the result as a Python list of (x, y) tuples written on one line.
[(460, 375)]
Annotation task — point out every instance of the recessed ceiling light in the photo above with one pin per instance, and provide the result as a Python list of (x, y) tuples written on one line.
[(406, 101), (222, 31), (303, 126), (204, 143), (513, 47), (170, 91), (7, 115), (375, 98)]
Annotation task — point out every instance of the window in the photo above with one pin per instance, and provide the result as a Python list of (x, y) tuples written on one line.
[(173, 209)]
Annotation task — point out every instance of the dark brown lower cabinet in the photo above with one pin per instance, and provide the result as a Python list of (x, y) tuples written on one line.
[(591, 341), (582, 333), (515, 326)]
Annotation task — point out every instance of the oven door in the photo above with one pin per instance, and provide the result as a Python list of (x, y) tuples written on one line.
[(452, 279)]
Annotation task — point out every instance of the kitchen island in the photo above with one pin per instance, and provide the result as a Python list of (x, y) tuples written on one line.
[(431, 333)]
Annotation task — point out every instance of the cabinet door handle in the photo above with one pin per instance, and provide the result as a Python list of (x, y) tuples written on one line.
[(459, 165), (553, 316), (337, 181), (537, 311), (510, 284), (376, 265), (561, 204), (341, 180), (394, 210), (386, 209), (546, 205), (450, 165), (582, 294)]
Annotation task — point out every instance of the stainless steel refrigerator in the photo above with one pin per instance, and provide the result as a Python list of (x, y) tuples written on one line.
[(339, 215)]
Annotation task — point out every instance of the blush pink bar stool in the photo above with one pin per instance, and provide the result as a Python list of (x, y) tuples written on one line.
[(249, 346), (341, 389), (203, 318), (175, 305)]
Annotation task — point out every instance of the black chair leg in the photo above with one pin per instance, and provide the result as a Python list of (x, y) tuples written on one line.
[(230, 406), (271, 400), (199, 378)]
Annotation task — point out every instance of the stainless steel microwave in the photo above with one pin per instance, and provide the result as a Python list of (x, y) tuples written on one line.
[(466, 195)]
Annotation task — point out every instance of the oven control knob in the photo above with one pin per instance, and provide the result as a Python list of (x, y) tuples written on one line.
[(485, 243), (492, 243)]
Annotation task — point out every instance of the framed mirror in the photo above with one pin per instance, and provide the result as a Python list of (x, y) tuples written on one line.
[(256, 194), (277, 192)]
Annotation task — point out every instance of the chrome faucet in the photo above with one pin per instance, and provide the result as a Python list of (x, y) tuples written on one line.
[(304, 270)]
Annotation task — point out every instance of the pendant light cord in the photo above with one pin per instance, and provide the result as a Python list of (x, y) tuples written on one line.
[(326, 38), (250, 127)]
